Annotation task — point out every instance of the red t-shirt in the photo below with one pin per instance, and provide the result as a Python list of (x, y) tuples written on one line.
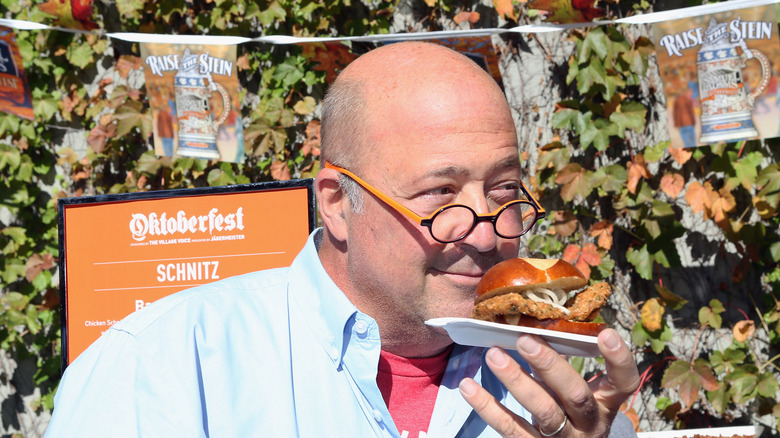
[(409, 387)]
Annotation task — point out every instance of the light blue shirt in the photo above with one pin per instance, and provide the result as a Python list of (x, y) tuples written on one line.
[(277, 353)]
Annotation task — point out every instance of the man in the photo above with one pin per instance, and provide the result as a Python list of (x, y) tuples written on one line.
[(337, 345), (684, 117)]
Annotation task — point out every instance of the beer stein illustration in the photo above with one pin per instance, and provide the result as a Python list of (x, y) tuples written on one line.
[(725, 104), (197, 127)]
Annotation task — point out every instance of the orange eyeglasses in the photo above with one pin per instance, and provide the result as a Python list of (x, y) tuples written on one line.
[(454, 222)]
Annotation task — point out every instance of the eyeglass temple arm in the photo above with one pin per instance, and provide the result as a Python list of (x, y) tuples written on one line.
[(387, 200), (541, 212)]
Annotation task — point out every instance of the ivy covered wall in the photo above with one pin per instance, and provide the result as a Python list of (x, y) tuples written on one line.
[(688, 238)]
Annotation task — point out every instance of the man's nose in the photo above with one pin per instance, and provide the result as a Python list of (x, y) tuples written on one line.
[(483, 237)]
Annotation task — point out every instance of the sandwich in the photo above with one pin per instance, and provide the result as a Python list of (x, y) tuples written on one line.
[(549, 294)]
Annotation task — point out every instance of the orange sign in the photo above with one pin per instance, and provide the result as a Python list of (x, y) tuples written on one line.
[(123, 252)]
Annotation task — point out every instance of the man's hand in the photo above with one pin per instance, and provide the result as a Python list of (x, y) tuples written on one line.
[(561, 402)]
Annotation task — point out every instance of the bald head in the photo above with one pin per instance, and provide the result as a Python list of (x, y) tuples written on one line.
[(398, 80)]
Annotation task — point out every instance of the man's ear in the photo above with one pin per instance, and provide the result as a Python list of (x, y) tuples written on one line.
[(333, 205)]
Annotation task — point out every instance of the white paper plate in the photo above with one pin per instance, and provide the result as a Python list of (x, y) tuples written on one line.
[(714, 431), (467, 331)]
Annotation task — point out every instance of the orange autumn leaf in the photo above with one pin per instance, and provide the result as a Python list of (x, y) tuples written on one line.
[(564, 223), (583, 267), (571, 253), (312, 143), (280, 171), (36, 264), (680, 155), (672, 184), (572, 177), (698, 198), (331, 58), (743, 330), (723, 203), (242, 62), (602, 230), (505, 9), (125, 63), (590, 254), (471, 17), (637, 169)]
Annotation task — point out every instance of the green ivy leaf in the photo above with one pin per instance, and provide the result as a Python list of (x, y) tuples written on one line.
[(658, 339), (130, 8), (767, 385), (148, 163), (80, 55), (14, 269), (9, 157), (639, 335), (14, 300), (595, 42), (674, 301), (288, 73), (769, 183), (17, 234), (305, 106), (9, 124), (746, 170), (640, 258), (719, 398), (710, 318), (717, 306), (617, 178), (631, 115), (129, 115), (45, 108), (655, 152), (597, 134), (567, 118), (743, 382), (592, 74), (273, 13)]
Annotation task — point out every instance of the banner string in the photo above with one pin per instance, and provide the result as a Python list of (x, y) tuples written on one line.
[(649, 18)]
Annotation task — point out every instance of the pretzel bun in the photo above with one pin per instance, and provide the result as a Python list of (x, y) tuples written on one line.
[(517, 275), (514, 276)]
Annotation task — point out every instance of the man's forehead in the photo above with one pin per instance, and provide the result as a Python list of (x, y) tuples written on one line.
[(455, 170)]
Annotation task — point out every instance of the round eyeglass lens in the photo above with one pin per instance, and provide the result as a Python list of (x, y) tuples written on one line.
[(452, 223), (515, 219)]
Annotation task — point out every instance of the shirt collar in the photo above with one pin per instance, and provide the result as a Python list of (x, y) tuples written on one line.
[(326, 309)]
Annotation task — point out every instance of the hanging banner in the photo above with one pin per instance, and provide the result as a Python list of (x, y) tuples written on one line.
[(14, 91), (720, 74), (193, 94), (122, 252)]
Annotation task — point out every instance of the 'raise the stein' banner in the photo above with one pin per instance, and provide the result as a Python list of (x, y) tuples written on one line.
[(193, 94), (14, 91), (721, 75)]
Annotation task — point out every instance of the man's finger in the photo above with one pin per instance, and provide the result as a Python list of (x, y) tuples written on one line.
[(622, 377), (573, 392), (505, 422), (532, 394)]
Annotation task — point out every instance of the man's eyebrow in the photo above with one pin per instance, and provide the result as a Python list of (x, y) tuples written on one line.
[(512, 163), (451, 171)]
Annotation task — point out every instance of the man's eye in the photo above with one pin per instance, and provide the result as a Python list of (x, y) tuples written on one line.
[(438, 192), (506, 192)]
